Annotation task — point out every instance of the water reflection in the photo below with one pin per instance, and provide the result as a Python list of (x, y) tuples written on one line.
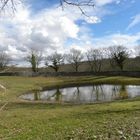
[(57, 95), (36, 95), (85, 94), (123, 94)]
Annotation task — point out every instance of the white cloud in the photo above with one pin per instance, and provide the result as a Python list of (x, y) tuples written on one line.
[(118, 39), (47, 30), (105, 2), (92, 19), (129, 41), (135, 21), (69, 27)]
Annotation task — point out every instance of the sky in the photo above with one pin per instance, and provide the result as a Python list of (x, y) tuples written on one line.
[(45, 26)]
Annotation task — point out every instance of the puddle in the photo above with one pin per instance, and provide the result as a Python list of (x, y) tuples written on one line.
[(85, 94)]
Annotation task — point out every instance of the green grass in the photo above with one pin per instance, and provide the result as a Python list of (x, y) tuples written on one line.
[(21, 120)]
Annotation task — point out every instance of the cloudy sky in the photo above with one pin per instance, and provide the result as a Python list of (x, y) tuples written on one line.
[(43, 25)]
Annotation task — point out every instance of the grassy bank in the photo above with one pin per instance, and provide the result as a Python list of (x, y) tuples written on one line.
[(41, 121)]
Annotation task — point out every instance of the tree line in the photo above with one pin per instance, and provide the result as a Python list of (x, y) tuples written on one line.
[(117, 56)]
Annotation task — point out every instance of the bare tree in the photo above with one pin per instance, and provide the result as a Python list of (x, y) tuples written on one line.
[(118, 56), (34, 58), (94, 57), (4, 60), (137, 51), (54, 61), (74, 58)]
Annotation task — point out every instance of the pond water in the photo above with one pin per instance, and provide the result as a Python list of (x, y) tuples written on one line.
[(85, 94)]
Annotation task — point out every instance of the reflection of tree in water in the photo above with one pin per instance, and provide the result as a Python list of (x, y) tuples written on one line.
[(99, 93), (36, 95), (57, 95), (76, 95), (123, 94), (115, 91)]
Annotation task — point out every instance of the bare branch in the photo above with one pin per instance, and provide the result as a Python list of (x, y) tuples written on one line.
[(9, 5), (80, 5), (77, 3)]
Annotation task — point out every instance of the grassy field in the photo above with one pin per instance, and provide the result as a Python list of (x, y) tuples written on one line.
[(22, 120)]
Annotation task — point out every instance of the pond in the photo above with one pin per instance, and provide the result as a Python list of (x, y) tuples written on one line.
[(85, 94)]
